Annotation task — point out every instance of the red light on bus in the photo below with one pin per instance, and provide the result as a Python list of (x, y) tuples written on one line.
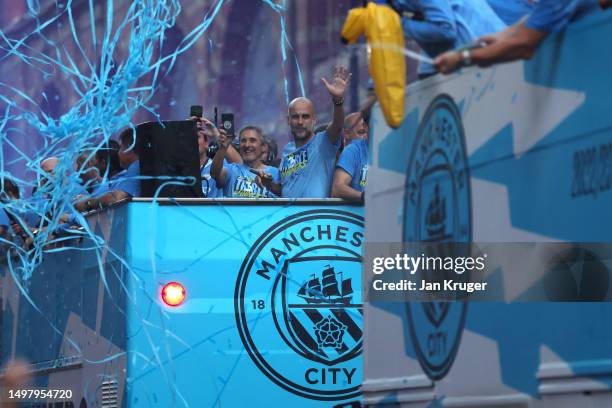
[(173, 294)]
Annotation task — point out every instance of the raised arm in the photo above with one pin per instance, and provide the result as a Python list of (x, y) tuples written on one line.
[(231, 154), (336, 89), (216, 169)]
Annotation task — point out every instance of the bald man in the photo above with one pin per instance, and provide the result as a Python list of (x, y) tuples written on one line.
[(308, 161), (355, 128), (48, 166)]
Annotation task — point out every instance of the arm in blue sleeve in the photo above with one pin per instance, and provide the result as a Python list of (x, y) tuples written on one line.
[(438, 24), (550, 16)]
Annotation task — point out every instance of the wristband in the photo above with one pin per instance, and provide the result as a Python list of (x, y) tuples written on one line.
[(466, 58), (339, 101)]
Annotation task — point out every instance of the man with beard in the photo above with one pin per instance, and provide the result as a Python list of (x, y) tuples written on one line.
[(307, 165)]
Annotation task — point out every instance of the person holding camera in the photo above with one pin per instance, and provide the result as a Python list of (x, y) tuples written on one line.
[(240, 180), (208, 136), (207, 133)]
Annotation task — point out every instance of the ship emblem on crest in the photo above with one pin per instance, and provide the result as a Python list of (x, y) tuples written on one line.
[(299, 308), (323, 319), (437, 212), (329, 331), (436, 215)]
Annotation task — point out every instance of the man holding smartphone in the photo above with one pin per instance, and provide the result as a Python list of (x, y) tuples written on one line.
[(208, 133), (308, 161), (239, 180)]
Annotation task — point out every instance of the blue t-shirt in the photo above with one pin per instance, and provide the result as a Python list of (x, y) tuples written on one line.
[(4, 219), (511, 11), (5, 224), (447, 24), (354, 160), (128, 180), (209, 185), (552, 16), (307, 172), (33, 209), (240, 182), (99, 190)]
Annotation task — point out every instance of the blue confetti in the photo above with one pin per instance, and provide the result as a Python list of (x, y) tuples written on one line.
[(108, 73)]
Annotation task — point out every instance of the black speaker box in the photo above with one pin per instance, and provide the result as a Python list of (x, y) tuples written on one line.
[(168, 153)]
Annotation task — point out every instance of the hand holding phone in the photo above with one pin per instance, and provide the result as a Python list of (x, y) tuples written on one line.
[(263, 179), (196, 110), (227, 123)]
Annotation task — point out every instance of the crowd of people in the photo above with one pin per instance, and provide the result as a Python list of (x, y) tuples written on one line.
[(313, 165), (318, 162)]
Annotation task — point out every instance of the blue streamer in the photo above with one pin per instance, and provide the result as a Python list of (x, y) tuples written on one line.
[(110, 83), (284, 43), (111, 76)]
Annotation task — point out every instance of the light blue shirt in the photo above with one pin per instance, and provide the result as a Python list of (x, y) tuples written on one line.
[(447, 24), (5, 224), (552, 16), (307, 172), (128, 180), (99, 190), (33, 210), (354, 160), (209, 185), (4, 219), (240, 182), (511, 11)]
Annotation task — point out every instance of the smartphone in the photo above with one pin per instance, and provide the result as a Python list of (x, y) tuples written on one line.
[(227, 122), (256, 172), (196, 110)]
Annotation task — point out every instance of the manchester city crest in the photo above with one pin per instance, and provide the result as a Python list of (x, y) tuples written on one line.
[(437, 210), (299, 305)]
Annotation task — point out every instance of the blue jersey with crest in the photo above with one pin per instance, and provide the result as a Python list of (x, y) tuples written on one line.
[(307, 172), (240, 182)]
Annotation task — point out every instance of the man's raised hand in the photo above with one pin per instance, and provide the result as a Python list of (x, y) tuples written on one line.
[(222, 139), (339, 82)]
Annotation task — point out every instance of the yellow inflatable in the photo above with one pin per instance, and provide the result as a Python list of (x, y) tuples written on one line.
[(383, 30)]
